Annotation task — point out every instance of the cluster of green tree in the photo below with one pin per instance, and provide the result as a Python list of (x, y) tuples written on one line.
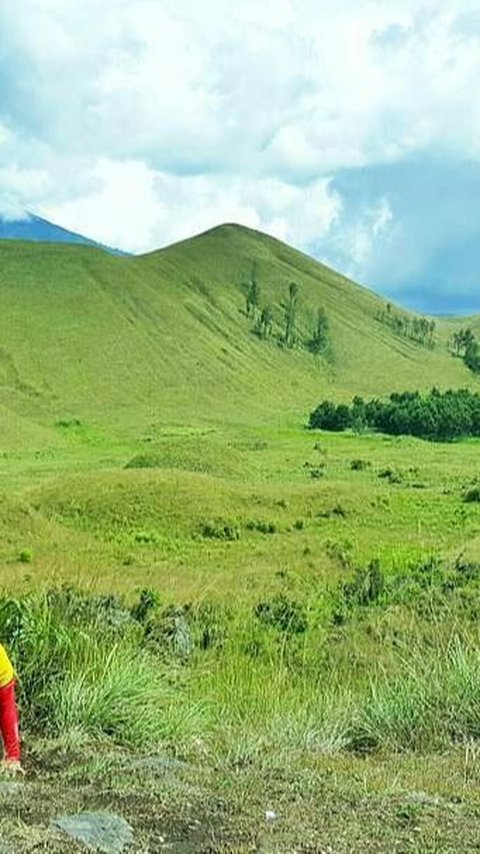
[(419, 329), (438, 416), (262, 317), (465, 345)]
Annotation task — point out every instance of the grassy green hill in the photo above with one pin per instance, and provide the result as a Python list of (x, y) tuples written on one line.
[(124, 343), (140, 381), (262, 601)]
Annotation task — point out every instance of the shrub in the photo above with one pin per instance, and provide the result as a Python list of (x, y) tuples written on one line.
[(468, 571), (145, 537), (168, 633), (328, 416), (67, 423), (148, 601), (472, 495), (365, 588), (282, 613), (209, 625), (360, 465), (317, 470), (26, 556), (220, 531), (390, 474), (262, 526), (337, 510), (106, 612)]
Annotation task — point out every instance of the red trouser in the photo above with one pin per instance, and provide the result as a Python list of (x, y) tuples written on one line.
[(9, 722)]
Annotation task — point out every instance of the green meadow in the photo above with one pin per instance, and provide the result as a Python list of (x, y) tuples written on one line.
[(288, 617), (211, 513)]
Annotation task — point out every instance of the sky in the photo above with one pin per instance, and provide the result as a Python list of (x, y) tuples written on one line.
[(350, 129)]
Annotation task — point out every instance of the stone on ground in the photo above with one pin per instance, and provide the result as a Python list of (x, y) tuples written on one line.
[(103, 832)]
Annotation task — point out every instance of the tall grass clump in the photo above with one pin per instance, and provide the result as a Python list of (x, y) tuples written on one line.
[(429, 703), (380, 662), (82, 669), (262, 711)]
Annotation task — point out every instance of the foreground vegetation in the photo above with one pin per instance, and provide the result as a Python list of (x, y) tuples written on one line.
[(349, 715), (372, 662), (288, 614)]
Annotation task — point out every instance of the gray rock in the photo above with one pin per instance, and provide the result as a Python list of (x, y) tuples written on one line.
[(103, 832)]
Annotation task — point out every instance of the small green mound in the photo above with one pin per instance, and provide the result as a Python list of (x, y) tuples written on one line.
[(144, 461)]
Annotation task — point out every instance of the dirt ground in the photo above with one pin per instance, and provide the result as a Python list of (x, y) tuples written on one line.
[(314, 804)]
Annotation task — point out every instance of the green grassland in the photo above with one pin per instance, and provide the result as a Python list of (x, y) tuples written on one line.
[(151, 442), (129, 516)]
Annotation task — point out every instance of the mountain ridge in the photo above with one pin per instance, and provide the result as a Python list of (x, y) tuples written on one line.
[(34, 228)]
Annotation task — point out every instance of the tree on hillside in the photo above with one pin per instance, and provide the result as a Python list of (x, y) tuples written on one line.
[(319, 339), (290, 314), (472, 356), (456, 342), (438, 416), (253, 294), (468, 338), (266, 321), (464, 344), (463, 340)]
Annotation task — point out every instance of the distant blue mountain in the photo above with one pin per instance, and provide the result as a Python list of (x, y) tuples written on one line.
[(35, 228)]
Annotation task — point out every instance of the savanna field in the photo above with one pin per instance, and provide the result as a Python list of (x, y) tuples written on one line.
[(237, 633)]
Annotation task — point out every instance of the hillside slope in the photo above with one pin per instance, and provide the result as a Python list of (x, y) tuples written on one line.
[(127, 342)]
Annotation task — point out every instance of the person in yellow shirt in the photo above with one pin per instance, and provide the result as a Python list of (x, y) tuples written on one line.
[(9, 715)]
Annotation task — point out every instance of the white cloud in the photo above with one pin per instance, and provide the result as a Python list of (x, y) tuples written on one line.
[(382, 217), (131, 204), (17, 187), (138, 121), (358, 240)]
